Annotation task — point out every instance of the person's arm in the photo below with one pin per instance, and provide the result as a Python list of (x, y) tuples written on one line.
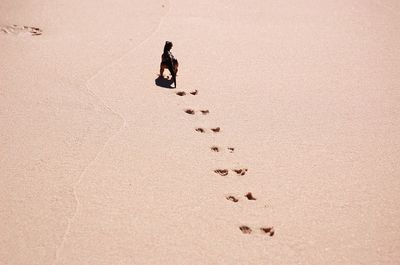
[(171, 57)]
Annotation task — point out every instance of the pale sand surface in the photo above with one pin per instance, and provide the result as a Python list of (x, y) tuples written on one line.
[(98, 165)]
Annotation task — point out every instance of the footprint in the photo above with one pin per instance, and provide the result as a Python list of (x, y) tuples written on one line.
[(222, 172), (215, 148), (241, 171), (200, 130), (204, 112), (189, 111), (250, 197), (216, 129), (181, 93), (232, 198), (21, 30), (245, 229), (231, 149), (268, 230), (194, 93)]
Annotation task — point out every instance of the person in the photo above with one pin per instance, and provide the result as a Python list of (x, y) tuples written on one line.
[(168, 61)]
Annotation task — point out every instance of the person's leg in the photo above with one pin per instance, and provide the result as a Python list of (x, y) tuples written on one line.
[(162, 67), (176, 64), (172, 71), (176, 69)]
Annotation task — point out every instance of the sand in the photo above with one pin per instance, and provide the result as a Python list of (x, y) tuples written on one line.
[(100, 165)]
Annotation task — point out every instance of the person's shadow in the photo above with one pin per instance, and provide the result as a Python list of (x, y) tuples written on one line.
[(163, 82)]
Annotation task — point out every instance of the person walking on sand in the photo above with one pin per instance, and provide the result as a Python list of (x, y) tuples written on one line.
[(168, 61)]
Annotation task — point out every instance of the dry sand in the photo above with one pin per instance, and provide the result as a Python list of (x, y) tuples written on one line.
[(98, 165)]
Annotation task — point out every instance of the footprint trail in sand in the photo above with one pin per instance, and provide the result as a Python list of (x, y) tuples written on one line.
[(268, 230), (17, 30)]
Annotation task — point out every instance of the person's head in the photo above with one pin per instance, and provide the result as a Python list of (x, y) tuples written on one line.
[(168, 46)]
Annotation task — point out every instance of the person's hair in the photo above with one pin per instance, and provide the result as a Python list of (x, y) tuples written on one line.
[(167, 46)]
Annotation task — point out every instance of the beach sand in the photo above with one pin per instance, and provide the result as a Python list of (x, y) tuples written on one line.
[(100, 165)]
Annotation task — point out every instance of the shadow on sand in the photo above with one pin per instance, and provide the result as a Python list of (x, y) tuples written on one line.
[(163, 82)]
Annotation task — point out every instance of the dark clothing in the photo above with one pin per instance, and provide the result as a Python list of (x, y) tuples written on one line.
[(169, 61), (167, 57)]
